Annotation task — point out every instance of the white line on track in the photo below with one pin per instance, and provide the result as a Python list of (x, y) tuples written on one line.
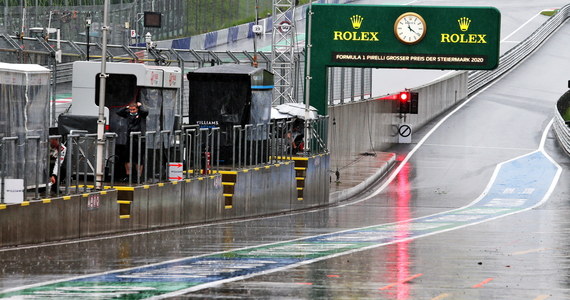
[(479, 147), (520, 27)]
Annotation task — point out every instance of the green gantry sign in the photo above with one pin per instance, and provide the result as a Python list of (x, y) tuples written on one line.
[(389, 36)]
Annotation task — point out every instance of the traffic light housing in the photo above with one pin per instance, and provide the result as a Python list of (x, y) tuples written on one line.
[(408, 102), (404, 100), (414, 103)]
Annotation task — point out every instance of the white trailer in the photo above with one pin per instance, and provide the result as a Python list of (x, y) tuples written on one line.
[(125, 79)]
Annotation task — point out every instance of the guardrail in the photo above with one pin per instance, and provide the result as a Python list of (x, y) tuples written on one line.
[(562, 131), (478, 79), (561, 126)]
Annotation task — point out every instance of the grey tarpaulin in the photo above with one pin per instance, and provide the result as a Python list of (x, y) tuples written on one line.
[(227, 95), (24, 98), (161, 105)]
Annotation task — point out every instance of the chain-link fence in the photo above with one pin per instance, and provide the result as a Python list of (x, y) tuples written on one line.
[(126, 18)]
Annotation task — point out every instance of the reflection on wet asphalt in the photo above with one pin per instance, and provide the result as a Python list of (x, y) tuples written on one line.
[(523, 255)]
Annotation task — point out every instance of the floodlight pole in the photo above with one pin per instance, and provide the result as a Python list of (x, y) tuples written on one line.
[(101, 120)]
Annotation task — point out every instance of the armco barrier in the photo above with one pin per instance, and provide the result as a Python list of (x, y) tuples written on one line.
[(562, 131), (509, 60), (561, 128)]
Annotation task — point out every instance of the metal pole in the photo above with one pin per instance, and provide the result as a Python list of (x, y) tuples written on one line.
[(53, 91), (2, 168), (255, 35), (88, 27), (308, 76), (102, 84), (234, 147)]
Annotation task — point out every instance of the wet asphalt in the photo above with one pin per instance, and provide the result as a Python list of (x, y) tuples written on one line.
[(523, 255)]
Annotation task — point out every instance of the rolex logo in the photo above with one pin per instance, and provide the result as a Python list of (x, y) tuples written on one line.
[(360, 36), (356, 21), (464, 38), (464, 23)]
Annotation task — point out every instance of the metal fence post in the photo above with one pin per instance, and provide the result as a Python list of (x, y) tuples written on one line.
[(249, 145), (2, 169)]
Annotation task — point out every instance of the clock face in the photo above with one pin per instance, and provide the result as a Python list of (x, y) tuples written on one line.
[(410, 28)]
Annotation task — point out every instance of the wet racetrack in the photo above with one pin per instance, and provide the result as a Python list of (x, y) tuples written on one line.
[(403, 239)]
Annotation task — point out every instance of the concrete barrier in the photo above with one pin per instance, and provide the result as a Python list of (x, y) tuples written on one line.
[(241, 199), (214, 199), (259, 191), (23, 223), (98, 213), (61, 215), (164, 202), (285, 187), (371, 125), (317, 183), (252, 187), (139, 208), (193, 202)]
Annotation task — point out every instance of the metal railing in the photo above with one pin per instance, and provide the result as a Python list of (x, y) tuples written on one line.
[(319, 129), (21, 159), (478, 79), (69, 165), (562, 130), (561, 126), (261, 144)]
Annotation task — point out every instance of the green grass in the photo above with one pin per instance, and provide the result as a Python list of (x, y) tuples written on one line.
[(549, 12), (209, 15), (566, 115)]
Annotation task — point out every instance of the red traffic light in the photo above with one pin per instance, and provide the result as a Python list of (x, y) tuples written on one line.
[(404, 96)]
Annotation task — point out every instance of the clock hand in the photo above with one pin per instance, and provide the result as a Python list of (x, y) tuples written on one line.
[(410, 28)]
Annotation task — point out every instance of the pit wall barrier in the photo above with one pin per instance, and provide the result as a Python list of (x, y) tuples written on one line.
[(252, 192)]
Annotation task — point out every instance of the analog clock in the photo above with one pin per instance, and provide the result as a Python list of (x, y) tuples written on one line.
[(410, 28)]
